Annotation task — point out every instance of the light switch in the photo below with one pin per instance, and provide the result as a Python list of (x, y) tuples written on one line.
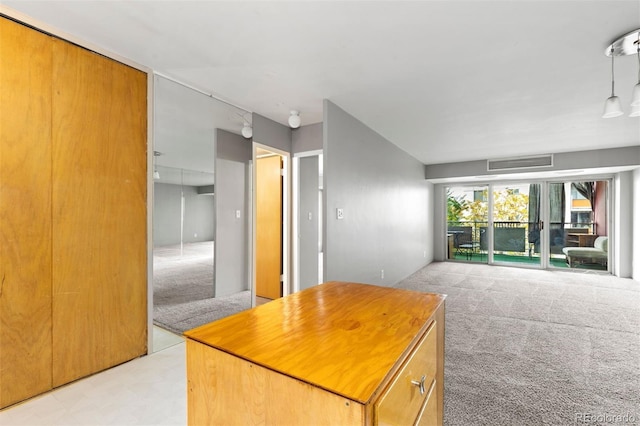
[(237, 214)]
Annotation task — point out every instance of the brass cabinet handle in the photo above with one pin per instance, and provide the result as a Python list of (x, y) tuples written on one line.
[(419, 384)]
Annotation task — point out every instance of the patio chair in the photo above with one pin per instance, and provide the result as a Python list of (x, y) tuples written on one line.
[(467, 245)]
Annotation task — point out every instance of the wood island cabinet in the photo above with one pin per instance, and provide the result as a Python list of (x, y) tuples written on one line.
[(337, 354)]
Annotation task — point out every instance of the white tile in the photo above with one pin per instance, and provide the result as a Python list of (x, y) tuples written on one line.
[(150, 390)]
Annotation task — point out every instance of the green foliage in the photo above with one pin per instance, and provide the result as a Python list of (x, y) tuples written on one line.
[(455, 207), (508, 206)]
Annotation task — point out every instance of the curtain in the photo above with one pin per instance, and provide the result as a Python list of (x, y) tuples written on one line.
[(534, 215), (557, 205), (587, 190)]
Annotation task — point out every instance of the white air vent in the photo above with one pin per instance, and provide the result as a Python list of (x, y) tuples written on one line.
[(520, 163)]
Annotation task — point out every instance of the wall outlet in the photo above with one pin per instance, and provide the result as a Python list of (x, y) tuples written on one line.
[(340, 213), (382, 274)]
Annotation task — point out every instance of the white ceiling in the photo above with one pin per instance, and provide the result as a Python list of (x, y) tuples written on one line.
[(444, 80)]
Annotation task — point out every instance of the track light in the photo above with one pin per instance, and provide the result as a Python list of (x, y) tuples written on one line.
[(294, 119), (628, 44), (247, 130)]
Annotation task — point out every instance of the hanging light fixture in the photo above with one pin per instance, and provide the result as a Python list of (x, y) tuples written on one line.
[(628, 44), (612, 107), (156, 173), (294, 119), (247, 130), (635, 97)]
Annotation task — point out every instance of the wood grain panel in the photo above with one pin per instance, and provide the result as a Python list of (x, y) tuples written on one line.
[(402, 401), (225, 390), (99, 213), (429, 414), (344, 337), (268, 227), (25, 212)]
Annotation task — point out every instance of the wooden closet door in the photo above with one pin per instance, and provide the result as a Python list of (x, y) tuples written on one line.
[(25, 212), (99, 213)]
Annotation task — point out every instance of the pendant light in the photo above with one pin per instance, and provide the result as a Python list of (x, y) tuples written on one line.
[(635, 98), (625, 45), (156, 173), (612, 107)]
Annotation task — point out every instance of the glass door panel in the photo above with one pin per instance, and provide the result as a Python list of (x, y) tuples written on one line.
[(578, 225), (516, 224), (467, 220)]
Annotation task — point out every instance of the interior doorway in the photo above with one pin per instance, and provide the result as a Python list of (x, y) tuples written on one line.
[(307, 219), (271, 223)]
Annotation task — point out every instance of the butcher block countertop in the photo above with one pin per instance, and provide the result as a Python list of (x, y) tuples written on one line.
[(343, 337)]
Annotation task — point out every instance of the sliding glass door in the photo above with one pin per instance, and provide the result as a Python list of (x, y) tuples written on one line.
[(467, 221), (579, 226), (548, 224), (516, 224)]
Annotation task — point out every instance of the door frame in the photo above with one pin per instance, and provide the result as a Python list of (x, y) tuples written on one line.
[(295, 253), (286, 219)]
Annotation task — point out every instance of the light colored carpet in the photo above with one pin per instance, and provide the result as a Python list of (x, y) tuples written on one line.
[(183, 288), (533, 347)]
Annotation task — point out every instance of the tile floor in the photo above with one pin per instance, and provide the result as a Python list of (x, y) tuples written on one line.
[(151, 390)]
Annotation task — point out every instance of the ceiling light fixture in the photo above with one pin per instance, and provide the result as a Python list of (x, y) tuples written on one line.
[(156, 173), (247, 130), (612, 107), (635, 98), (294, 119), (628, 44)]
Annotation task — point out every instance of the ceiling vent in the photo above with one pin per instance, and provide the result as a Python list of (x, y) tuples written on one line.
[(520, 163)]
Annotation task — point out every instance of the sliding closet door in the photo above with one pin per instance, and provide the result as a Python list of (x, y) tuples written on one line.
[(25, 213), (99, 213)]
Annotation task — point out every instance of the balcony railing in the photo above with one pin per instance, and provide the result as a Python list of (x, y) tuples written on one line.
[(515, 237)]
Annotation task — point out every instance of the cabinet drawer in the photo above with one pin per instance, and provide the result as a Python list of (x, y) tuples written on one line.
[(403, 399), (429, 413)]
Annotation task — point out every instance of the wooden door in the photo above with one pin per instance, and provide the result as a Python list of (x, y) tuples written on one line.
[(99, 213), (25, 212), (268, 227)]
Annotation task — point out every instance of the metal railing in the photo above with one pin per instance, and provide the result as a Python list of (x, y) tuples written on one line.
[(515, 236)]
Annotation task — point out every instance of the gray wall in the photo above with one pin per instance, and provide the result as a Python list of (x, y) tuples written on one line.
[(635, 267), (385, 200), (612, 157), (270, 133), (308, 238), (622, 245), (233, 156), (199, 215), (307, 138)]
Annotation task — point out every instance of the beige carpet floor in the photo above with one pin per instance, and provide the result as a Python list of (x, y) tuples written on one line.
[(183, 288), (533, 347)]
